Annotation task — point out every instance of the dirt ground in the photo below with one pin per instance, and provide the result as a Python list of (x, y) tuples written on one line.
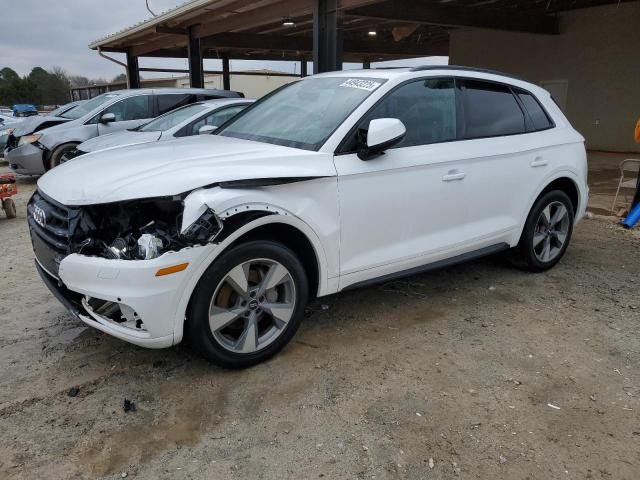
[(478, 371)]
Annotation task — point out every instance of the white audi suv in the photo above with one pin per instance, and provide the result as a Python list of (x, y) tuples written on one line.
[(333, 182)]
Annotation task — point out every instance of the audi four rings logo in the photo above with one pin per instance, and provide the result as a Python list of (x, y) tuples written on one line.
[(39, 216)]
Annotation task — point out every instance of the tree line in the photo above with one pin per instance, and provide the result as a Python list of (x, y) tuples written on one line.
[(40, 87)]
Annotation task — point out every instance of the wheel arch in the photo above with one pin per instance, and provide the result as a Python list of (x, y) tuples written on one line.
[(286, 229), (46, 158), (566, 185), (565, 181)]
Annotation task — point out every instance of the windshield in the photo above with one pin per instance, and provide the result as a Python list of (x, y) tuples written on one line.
[(82, 109), (173, 118), (302, 114)]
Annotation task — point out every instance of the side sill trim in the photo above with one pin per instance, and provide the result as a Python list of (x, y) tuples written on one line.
[(447, 262)]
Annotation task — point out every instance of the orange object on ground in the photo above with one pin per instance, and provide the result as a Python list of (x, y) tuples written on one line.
[(8, 188), (638, 132)]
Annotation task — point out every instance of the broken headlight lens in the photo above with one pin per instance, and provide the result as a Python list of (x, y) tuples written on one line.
[(27, 139)]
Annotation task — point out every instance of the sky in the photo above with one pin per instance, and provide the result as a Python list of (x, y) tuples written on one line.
[(56, 33)]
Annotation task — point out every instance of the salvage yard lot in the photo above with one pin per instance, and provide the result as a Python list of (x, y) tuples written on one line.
[(477, 371)]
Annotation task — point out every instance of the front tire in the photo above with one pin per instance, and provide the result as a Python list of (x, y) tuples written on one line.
[(547, 232), (248, 304), (56, 155)]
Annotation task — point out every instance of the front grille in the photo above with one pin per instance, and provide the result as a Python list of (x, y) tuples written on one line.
[(51, 225)]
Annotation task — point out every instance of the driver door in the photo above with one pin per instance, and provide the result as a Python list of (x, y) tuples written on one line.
[(404, 208)]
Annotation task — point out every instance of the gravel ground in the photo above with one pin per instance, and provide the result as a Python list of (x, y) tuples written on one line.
[(478, 371)]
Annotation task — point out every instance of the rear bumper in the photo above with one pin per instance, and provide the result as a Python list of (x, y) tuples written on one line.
[(26, 160), (583, 204)]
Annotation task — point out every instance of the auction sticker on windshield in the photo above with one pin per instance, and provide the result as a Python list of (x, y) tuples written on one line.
[(368, 85)]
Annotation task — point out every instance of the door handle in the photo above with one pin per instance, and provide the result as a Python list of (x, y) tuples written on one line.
[(539, 162), (453, 175)]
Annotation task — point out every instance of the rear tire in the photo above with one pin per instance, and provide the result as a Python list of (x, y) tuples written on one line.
[(546, 233), (248, 304), (56, 155)]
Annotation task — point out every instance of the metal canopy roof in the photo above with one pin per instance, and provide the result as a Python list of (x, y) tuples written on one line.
[(254, 29)]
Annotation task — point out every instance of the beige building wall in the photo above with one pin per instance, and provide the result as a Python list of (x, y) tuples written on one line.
[(592, 68), (253, 86)]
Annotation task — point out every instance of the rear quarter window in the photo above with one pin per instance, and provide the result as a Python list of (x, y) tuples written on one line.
[(539, 119)]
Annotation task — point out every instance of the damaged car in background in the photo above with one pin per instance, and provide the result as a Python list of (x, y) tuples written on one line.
[(32, 149), (329, 183)]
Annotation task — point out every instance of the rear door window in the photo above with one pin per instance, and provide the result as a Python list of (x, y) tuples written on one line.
[(490, 110), (538, 117)]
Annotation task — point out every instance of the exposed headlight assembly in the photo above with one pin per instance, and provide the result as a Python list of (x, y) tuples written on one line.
[(205, 229), (141, 229), (149, 246), (28, 139)]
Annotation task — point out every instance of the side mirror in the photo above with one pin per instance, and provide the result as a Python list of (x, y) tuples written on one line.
[(108, 118), (383, 134), (205, 129)]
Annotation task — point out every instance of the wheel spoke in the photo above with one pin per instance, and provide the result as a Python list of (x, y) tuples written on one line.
[(219, 318), (274, 277), (280, 312), (238, 279), (546, 250), (248, 341), (558, 216), (546, 215), (560, 238), (538, 238)]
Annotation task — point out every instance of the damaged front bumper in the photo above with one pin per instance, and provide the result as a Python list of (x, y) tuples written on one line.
[(126, 298), (26, 159)]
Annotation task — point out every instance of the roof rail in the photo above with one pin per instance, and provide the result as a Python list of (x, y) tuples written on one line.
[(462, 68)]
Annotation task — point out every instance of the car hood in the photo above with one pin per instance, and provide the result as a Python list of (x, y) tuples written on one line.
[(175, 167), (118, 139), (32, 124)]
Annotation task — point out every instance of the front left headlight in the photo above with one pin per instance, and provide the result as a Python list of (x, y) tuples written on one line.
[(28, 139)]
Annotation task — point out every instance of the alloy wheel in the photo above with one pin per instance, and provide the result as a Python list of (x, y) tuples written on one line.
[(551, 232), (252, 305)]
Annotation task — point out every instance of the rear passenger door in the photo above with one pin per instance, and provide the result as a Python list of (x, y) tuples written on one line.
[(506, 158)]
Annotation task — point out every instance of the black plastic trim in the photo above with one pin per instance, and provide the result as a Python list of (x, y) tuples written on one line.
[(447, 262), (461, 68), (265, 182), (59, 291)]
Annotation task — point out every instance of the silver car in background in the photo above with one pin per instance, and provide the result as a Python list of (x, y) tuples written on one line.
[(197, 118), (35, 152), (32, 124)]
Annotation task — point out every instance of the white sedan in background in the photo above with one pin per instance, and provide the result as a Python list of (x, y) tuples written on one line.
[(194, 119)]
